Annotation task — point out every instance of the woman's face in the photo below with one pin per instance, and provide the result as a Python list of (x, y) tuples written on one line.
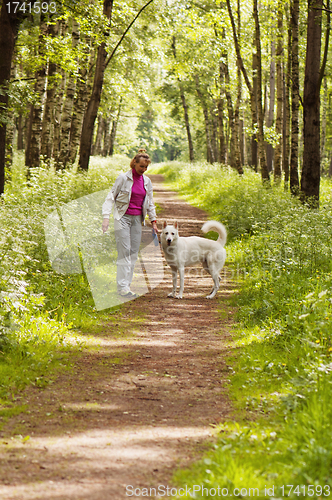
[(141, 166)]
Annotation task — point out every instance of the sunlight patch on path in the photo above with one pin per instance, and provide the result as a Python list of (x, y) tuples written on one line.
[(97, 455)]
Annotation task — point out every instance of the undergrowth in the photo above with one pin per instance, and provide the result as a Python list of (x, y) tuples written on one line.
[(40, 308), (279, 443)]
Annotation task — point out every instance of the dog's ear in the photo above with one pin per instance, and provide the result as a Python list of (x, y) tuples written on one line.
[(164, 224), (175, 224)]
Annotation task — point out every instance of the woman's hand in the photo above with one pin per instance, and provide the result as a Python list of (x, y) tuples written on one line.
[(155, 227), (105, 225)]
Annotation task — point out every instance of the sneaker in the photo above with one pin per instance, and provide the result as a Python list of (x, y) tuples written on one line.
[(126, 293)]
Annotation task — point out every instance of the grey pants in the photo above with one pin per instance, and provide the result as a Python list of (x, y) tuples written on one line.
[(128, 233)]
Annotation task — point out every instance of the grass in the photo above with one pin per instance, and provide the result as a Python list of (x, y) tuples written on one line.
[(281, 385)]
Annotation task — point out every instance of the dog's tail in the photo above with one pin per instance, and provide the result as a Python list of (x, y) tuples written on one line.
[(213, 225)]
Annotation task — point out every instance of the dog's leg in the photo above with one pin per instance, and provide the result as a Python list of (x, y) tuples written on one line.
[(181, 273), (215, 288), (215, 276), (175, 282)]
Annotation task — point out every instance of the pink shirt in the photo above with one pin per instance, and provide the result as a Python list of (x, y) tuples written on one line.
[(137, 195)]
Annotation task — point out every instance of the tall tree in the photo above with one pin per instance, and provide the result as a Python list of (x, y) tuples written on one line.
[(294, 154), (94, 101), (114, 128), (310, 179), (278, 148), (32, 157), (203, 100), (185, 107), (270, 110), (66, 119), (234, 130), (260, 117), (48, 119), (255, 100), (10, 19), (287, 67), (79, 102)]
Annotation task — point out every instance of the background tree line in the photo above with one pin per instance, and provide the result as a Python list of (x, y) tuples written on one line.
[(235, 82)]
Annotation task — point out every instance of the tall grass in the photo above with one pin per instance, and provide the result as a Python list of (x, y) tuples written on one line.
[(282, 370), (38, 306)]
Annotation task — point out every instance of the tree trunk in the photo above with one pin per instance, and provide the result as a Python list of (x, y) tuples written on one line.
[(209, 150), (239, 161), (114, 129), (48, 119), (10, 130), (68, 105), (330, 167), (270, 113), (106, 136), (310, 178), (278, 149), (187, 124), (294, 156), (58, 112), (63, 28), (214, 130), (222, 145), (96, 148), (242, 141), (36, 116), (94, 101), (9, 24), (20, 135), (253, 104), (287, 109), (185, 109), (79, 102), (323, 76), (234, 141), (324, 123), (260, 136)]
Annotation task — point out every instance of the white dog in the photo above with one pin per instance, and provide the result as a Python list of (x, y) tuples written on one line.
[(184, 252)]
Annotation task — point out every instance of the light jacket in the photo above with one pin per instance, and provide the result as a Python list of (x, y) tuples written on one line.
[(119, 197)]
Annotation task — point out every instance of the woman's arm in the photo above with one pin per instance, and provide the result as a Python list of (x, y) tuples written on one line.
[(109, 201), (151, 209)]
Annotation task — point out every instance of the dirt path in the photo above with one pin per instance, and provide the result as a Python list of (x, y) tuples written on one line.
[(105, 424)]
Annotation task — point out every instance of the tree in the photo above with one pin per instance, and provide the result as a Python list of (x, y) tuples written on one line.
[(10, 20), (278, 149), (94, 101), (255, 97), (32, 157), (185, 108), (310, 179), (295, 78)]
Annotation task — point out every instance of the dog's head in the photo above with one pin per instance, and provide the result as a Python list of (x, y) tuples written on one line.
[(169, 233)]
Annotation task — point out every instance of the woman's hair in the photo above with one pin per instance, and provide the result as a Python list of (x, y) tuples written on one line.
[(142, 154)]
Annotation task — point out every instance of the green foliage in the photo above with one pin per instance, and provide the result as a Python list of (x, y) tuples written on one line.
[(239, 202), (38, 307), (281, 377)]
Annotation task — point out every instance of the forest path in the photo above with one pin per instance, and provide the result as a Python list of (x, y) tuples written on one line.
[(136, 406)]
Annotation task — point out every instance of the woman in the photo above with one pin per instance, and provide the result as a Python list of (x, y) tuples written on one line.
[(131, 198)]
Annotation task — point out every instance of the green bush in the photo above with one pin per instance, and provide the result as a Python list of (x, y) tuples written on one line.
[(37, 305)]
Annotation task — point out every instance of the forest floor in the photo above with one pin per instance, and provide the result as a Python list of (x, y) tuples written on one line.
[(139, 404)]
